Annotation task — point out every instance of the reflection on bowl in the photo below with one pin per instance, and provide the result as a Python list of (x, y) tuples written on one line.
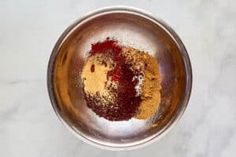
[(132, 28)]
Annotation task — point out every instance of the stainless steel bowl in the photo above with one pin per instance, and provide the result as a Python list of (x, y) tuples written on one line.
[(133, 28)]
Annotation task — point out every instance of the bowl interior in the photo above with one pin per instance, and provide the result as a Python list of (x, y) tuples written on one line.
[(132, 29)]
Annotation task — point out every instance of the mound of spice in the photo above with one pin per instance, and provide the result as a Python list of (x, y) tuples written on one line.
[(121, 82)]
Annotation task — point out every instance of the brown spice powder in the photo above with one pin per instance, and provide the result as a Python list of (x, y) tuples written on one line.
[(150, 88)]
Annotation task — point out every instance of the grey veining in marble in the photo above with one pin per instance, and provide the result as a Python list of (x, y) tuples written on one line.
[(28, 32)]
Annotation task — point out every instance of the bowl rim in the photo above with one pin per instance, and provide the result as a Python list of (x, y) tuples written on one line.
[(144, 14)]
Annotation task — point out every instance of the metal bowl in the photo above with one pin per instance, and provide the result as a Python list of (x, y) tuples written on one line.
[(133, 28)]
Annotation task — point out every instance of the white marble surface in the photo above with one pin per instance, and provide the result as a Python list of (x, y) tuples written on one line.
[(28, 32)]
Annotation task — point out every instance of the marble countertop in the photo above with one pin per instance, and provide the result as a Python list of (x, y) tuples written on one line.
[(28, 32)]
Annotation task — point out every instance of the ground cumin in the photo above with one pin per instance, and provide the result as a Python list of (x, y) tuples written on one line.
[(150, 87)]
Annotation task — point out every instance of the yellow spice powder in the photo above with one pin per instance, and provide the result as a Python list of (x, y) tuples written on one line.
[(94, 76)]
